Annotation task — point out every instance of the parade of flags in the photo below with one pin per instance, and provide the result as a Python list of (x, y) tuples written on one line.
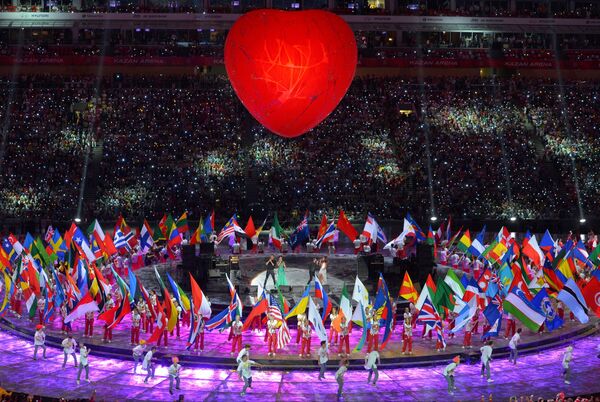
[(520, 278)]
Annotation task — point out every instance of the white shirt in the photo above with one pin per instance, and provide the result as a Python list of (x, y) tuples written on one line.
[(567, 358), (139, 350), (174, 370), (83, 356), (39, 338), (147, 360), (371, 359), (340, 372), (514, 341), (69, 345), (243, 352), (245, 368), (486, 353), (323, 352), (449, 370)]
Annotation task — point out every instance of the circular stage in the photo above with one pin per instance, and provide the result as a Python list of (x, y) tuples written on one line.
[(113, 379), (217, 347)]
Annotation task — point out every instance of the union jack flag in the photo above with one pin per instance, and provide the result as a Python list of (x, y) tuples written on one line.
[(432, 320), (49, 234)]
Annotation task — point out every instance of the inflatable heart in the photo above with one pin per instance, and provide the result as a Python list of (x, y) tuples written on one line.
[(290, 69)]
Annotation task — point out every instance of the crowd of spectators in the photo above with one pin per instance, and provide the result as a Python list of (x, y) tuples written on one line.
[(495, 148)]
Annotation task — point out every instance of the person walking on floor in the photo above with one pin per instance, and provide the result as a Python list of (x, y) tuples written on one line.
[(512, 345), (566, 363), (486, 358), (371, 361), (83, 363), (323, 354), (339, 376), (174, 371), (138, 352), (69, 344), (148, 364), (245, 372), (39, 341)]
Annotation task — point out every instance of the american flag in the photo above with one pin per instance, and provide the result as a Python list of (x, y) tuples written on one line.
[(229, 229), (283, 335)]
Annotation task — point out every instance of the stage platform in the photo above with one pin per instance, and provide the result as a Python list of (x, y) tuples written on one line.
[(536, 374), (217, 347)]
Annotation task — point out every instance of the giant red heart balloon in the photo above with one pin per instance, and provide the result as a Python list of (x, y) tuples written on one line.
[(290, 69)]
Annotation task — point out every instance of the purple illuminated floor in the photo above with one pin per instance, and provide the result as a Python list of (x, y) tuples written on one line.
[(113, 380)]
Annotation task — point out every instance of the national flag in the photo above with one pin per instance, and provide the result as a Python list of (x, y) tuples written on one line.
[(8, 292), (58, 246), (448, 229), (547, 243), (104, 242), (259, 308), (591, 295), (157, 232), (365, 331), (431, 241), (301, 305), (543, 303), (465, 242), (201, 303), (520, 306), (383, 309), (323, 226), (418, 231), (322, 295), (275, 310), (573, 299), (372, 231), (10, 255), (121, 240), (344, 225), (327, 235), (581, 254), (315, 319), (407, 289), (219, 321), (465, 315), (133, 287), (79, 238), (428, 291), (429, 316), (360, 294), (250, 230), (174, 237), (179, 294), (276, 233), (146, 241), (182, 224), (345, 309), (17, 246), (86, 305), (408, 230), (594, 255), (230, 229), (443, 298), (494, 317), (196, 237), (38, 251), (300, 234), (532, 250), (161, 323), (476, 249), (454, 283)]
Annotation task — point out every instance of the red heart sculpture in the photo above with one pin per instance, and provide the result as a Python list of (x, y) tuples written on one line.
[(290, 69)]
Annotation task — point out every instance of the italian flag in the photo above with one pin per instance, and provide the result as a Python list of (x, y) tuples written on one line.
[(276, 232), (345, 310)]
